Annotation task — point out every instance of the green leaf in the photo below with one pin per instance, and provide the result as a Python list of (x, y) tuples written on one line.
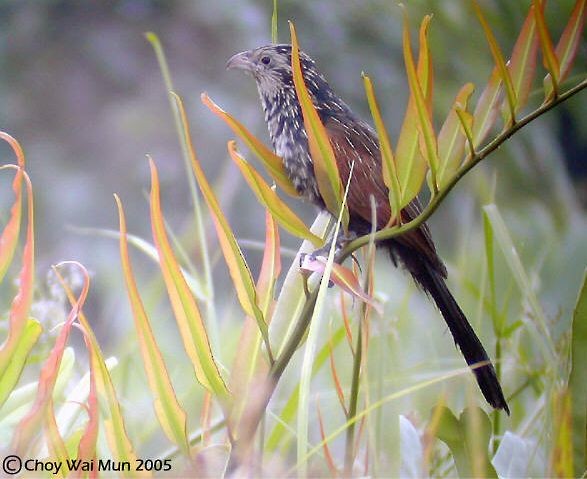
[(269, 199), (549, 58), (389, 167), (171, 415), (568, 44), (419, 114), (451, 138), (272, 163), (237, 266), (499, 62), (323, 159), (578, 380), (468, 440), (185, 308)]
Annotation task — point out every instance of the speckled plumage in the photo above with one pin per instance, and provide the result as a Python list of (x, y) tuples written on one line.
[(354, 141)]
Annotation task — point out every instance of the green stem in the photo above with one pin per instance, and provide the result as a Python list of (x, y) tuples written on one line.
[(349, 456), (437, 199)]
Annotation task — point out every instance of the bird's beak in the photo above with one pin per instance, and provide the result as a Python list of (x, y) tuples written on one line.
[(241, 61)]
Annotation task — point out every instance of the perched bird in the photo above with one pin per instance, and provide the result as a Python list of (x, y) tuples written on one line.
[(353, 140)]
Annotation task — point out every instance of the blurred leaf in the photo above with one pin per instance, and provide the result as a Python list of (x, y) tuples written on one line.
[(522, 65), (55, 443), (247, 362), (578, 380), (514, 456), (562, 452), (272, 162), (539, 329), (19, 354), (390, 173), (269, 199), (323, 159), (411, 164), (451, 139), (113, 422), (32, 423), (468, 440), (19, 310), (185, 308), (568, 44), (336, 380), (86, 451), (327, 454), (486, 109), (500, 64), (549, 58), (9, 236), (171, 415), (237, 266)]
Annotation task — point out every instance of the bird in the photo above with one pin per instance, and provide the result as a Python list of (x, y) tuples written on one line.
[(355, 145)]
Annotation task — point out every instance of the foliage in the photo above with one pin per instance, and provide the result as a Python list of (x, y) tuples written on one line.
[(278, 321)]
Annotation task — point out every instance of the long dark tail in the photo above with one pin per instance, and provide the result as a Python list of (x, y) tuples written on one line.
[(465, 338)]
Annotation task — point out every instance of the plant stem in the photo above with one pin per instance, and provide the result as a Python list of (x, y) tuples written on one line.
[(437, 199), (349, 456)]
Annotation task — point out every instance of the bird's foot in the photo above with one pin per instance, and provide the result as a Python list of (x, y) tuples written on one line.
[(308, 260)]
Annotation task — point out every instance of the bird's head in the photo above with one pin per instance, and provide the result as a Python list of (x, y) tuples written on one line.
[(270, 66)]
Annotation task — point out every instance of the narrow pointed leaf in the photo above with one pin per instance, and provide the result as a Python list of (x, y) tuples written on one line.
[(451, 139), (342, 277), (499, 61), (55, 443), (323, 159), (185, 308), (549, 58), (568, 44), (486, 109), (30, 425), (113, 422), (411, 165), (522, 65), (237, 266), (248, 364), (578, 379), (272, 162), (327, 454), (171, 415), (9, 236), (19, 310), (417, 90), (390, 173), (269, 199), (19, 354), (86, 450)]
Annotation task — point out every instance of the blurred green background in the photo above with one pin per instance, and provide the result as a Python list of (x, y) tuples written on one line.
[(81, 90)]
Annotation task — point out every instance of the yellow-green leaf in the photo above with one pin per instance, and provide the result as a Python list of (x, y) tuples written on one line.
[(522, 65), (171, 415), (268, 198), (568, 44), (499, 61), (451, 138), (185, 308), (272, 162), (237, 266), (19, 310), (390, 173), (411, 164), (549, 58), (417, 89), (486, 109), (323, 159), (116, 435)]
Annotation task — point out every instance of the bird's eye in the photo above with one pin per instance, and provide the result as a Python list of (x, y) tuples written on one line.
[(265, 60)]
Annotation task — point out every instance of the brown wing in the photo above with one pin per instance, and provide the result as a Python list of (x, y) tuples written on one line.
[(357, 142)]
